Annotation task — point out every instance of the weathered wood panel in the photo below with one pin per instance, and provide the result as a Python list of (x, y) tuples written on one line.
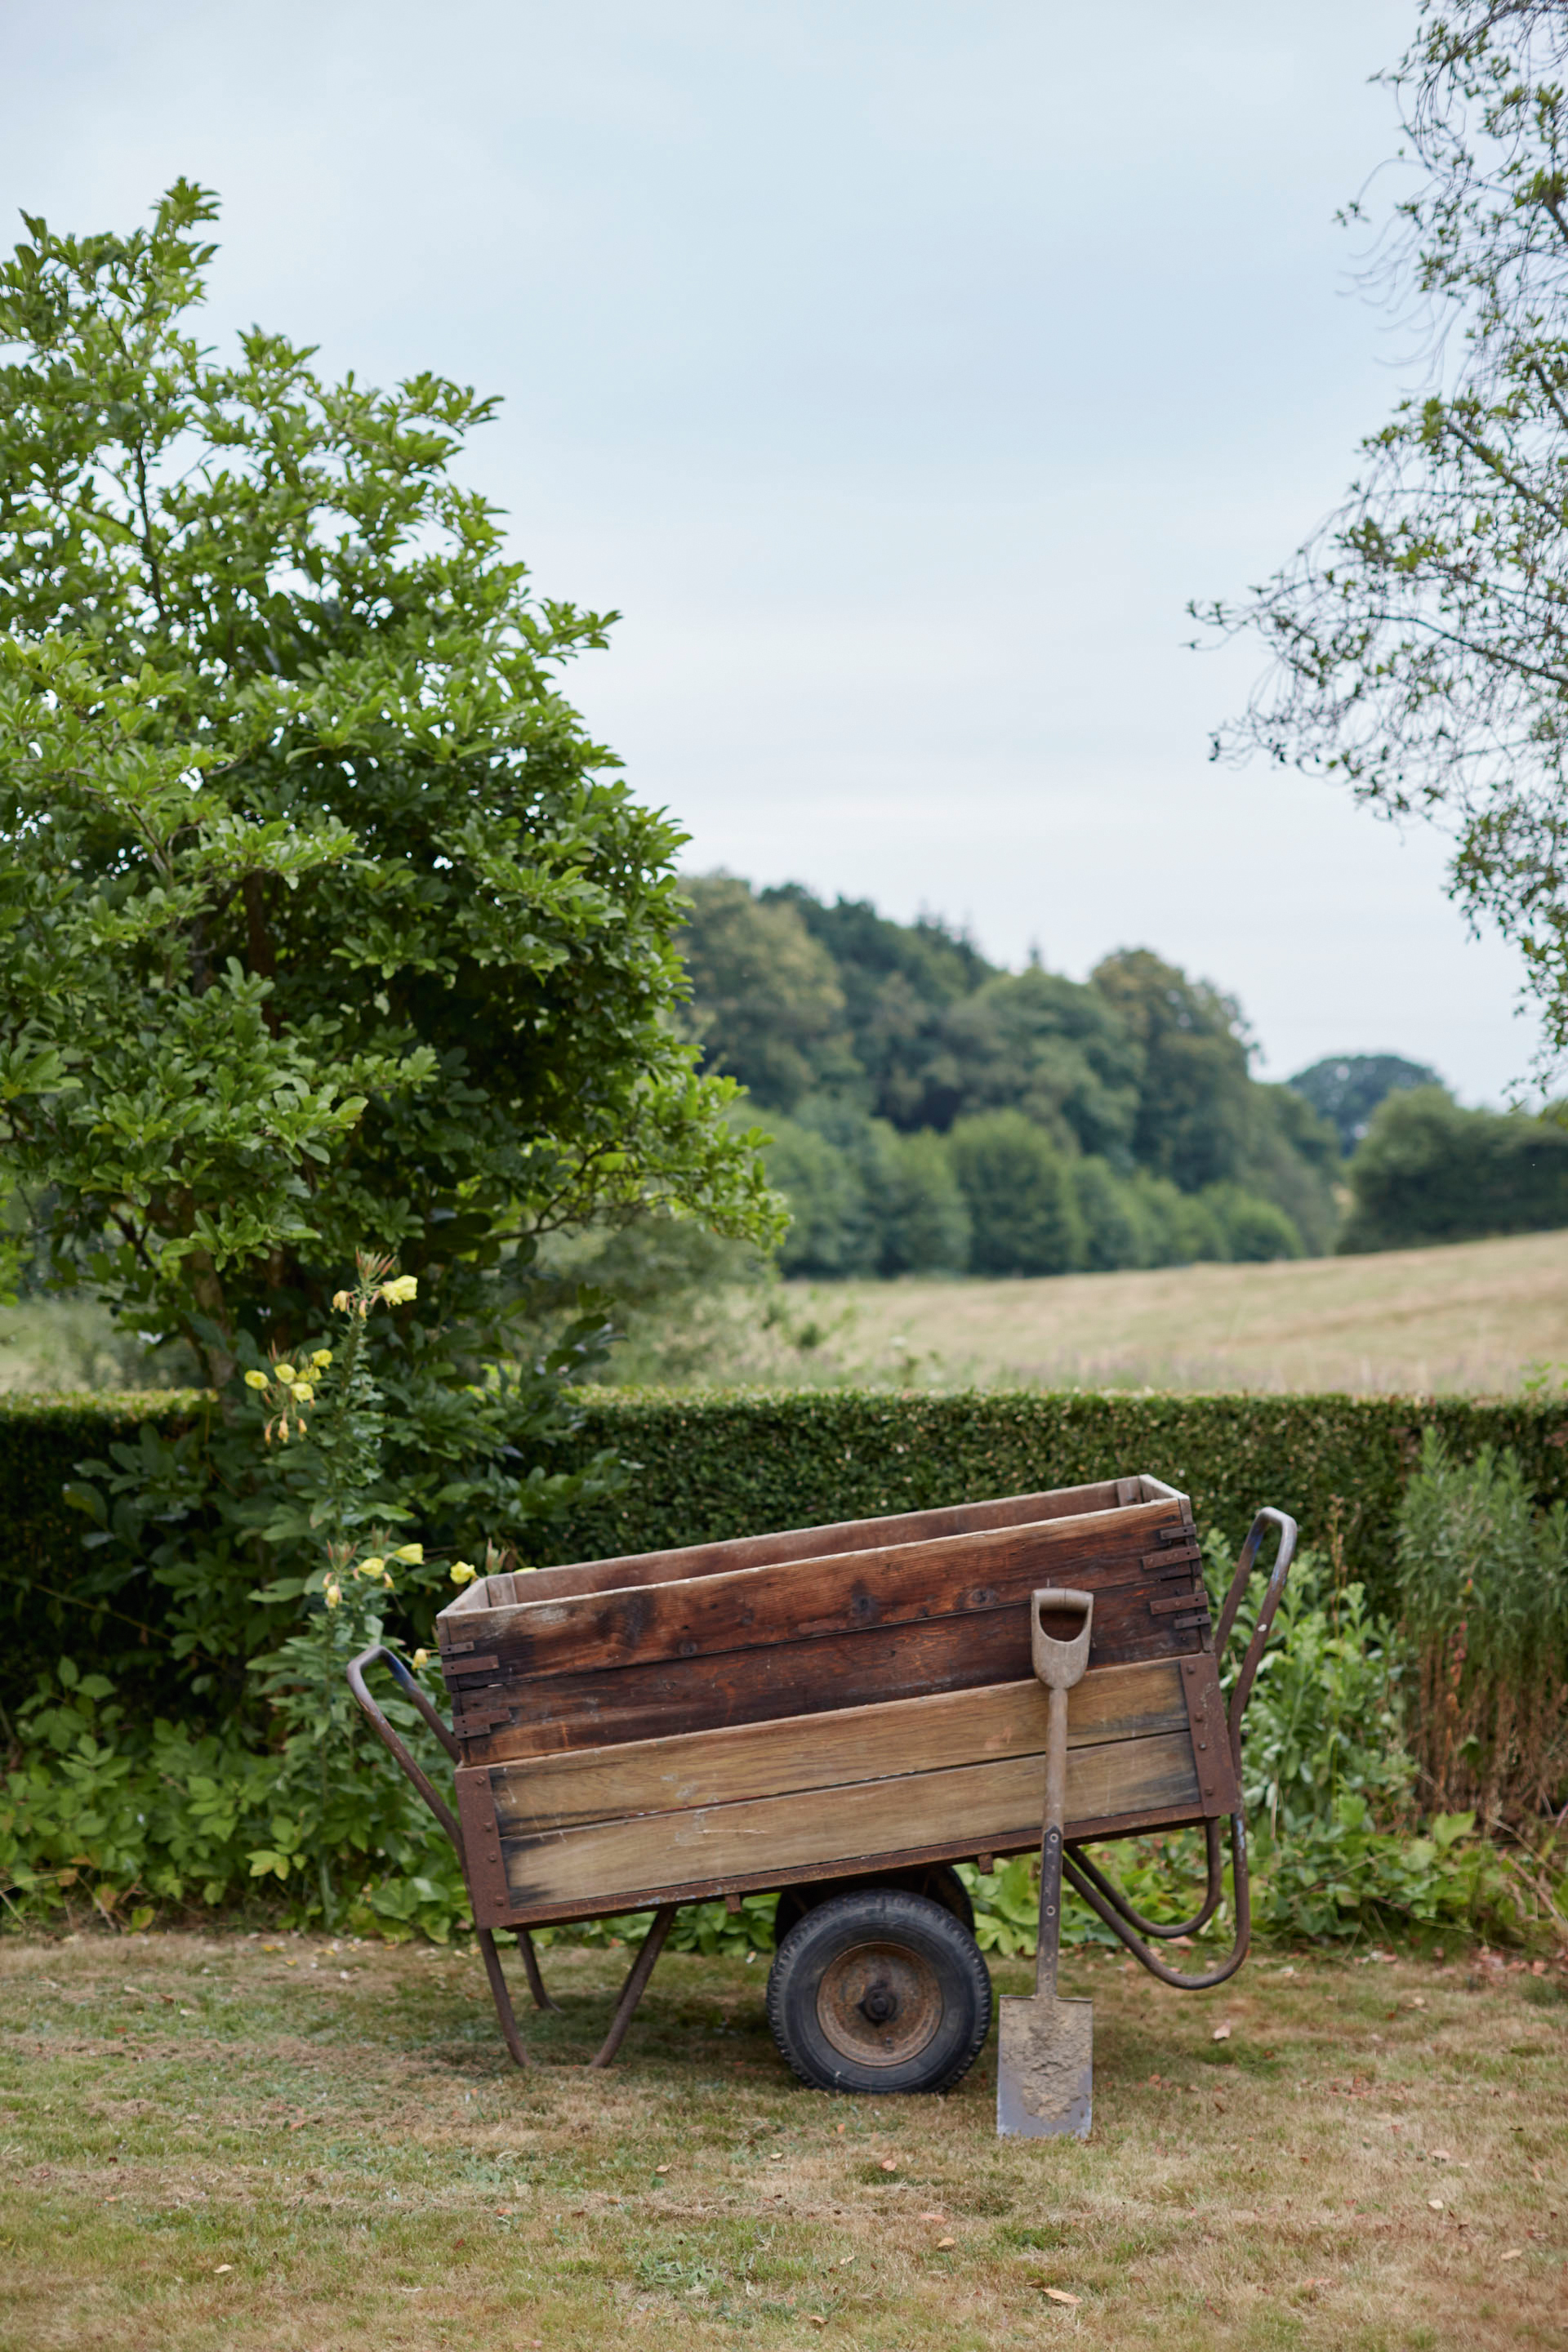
[(810, 1637), (812, 1543), (857, 1744), (806, 1600), (990, 1807)]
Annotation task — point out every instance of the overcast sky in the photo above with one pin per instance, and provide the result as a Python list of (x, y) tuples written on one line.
[(897, 371)]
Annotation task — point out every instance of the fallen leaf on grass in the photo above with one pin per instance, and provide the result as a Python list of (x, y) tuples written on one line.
[(1441, 2156), (221, 2268), (889, 2164), (945, 2241), (1060, 2294), (934, 2217), (1435, 2203), (505, 2212), (1221, 2033), (1513, 2255)]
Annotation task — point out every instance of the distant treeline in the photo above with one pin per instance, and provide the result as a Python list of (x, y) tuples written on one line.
[(932, 1112)]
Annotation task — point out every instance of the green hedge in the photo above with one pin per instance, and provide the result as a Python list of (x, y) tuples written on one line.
[(56, 1595), (739, 1463), (727, 1465)]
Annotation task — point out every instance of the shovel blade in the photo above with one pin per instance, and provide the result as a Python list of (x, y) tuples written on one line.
[(1045, 2067)]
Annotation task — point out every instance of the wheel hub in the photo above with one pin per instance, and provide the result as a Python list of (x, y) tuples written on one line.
[(879, 2003)]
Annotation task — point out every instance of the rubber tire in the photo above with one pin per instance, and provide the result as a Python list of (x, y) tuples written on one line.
[(937, 1880), (893, 1916)]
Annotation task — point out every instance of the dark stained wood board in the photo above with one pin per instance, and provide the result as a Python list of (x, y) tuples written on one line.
[(805, 1543), (755, 1644), (799, 1752)]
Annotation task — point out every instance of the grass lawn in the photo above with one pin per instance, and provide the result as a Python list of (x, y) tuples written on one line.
[(271, 2143)]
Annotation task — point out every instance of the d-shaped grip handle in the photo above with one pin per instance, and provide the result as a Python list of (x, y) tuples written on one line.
[(1059, 1664)]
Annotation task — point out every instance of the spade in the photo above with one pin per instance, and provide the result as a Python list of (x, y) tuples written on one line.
[(1045, 2066)]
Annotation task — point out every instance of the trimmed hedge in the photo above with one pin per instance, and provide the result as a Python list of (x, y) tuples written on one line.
[(56, 1595), (740, 1463), (743, 1463)]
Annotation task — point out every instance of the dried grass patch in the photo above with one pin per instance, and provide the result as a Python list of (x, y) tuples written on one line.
[(303, 2163)]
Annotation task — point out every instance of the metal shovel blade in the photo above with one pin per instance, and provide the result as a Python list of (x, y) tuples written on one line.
[(1045, 2066)]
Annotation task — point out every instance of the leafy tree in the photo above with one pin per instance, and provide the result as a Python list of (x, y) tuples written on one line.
[(1019, 1193), (1059, 1052), (1347, 1089), (765, 1000), (1192, 1116), (900, 981), (322, 923), (1420, 637), (1429, 1172)]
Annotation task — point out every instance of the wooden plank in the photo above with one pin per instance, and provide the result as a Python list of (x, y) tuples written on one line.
[(866, 1743), (811, 1599), (809, 1543), (883, 1664), (991, 1807)]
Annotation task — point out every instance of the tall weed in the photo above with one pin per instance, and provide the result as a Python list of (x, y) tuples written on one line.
[(1483, 1582)]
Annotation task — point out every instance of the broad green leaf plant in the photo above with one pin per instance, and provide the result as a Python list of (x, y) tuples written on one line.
[(324, 924)]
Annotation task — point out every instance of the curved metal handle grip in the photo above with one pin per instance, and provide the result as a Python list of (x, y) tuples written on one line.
[(1260, 1632), (384, 1732)]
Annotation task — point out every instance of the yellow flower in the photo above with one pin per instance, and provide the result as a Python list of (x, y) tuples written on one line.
[(463, 1571), (373, 1566), (286, 1373), (342, 1300), (322, 1359), (255, 1380), (411, 1555), (332, 1591), (421, 1658), (400, 1289), (303, 1392)]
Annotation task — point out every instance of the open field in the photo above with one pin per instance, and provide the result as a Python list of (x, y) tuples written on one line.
[(277, 2146), (1468, 1319)]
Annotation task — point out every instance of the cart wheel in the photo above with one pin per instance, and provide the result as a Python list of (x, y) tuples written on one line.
[(938, 1879), (879, 1990)]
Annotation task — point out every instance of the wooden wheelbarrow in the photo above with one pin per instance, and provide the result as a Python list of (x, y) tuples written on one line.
[(840, 1713)]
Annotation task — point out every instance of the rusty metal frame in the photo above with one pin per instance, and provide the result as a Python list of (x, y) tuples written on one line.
[(1107, 1900), (505, 2014)]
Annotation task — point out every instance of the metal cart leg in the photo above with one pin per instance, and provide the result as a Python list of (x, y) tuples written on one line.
[(505, 2015), (636, 1985), (530, 1968)]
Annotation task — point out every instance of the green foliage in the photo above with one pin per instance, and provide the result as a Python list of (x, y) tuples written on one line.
[(1418, 640), (1483, 1586), (847, 1022), (1428, 1171), (128, 1815), (766, 1004), (322, 922), (1022, 1209), (725, 1465), (1337, 1848), (1348, 1087)]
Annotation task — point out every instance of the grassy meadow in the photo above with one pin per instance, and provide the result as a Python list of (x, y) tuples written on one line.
[(277, 2145), (1471, 1319)]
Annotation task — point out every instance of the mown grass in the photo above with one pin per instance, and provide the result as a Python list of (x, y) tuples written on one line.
[(1469, 1320), (276, 2145)]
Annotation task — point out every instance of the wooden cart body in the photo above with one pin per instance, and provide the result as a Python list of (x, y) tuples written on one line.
[(826, 1703)]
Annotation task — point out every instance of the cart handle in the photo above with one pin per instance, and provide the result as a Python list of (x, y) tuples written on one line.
[(384, 1732), (1260, 1632)]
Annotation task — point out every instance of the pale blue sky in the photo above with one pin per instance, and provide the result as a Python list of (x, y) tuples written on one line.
[(899, 372)]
